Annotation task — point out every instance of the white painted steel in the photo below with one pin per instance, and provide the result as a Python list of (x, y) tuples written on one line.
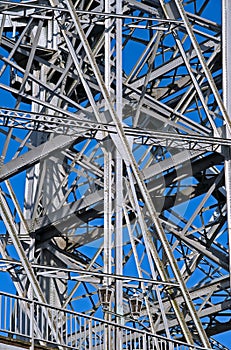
[(78, 331), (115, 135)]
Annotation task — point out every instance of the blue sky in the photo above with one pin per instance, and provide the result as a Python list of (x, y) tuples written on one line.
[(214, 12)]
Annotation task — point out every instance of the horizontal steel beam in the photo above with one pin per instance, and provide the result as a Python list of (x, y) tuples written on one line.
[(33, 156)]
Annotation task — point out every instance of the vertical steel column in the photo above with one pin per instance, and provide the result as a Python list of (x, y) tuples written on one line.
[(52, 196), (107, 154), (107, 213), (226, 56), (107, 175), (119, 181), (32, 180)]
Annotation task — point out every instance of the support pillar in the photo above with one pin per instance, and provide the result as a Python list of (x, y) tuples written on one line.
[(119, 183), (226, 56)]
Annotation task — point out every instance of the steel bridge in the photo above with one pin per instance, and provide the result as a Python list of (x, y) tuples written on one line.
[(115, 174)]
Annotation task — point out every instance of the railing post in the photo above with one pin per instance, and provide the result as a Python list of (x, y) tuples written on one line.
[(170, 345), (86, 332), (32, 325), (145, 342), (90, 334)]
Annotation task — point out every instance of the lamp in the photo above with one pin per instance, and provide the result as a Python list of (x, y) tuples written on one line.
[(105, 296), (135, 303)]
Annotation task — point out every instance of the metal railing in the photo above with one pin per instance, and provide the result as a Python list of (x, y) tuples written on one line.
[(32, 321)]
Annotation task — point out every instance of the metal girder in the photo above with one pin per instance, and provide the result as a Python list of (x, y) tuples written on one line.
[(67, 215), (34, 156), (226, 96), (7, 217), (114, 126), (175, 63)]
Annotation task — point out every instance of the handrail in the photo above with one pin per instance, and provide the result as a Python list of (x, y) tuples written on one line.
[(75, 328)]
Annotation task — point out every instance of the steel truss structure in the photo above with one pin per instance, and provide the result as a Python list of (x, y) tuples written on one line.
[(115, 196)]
